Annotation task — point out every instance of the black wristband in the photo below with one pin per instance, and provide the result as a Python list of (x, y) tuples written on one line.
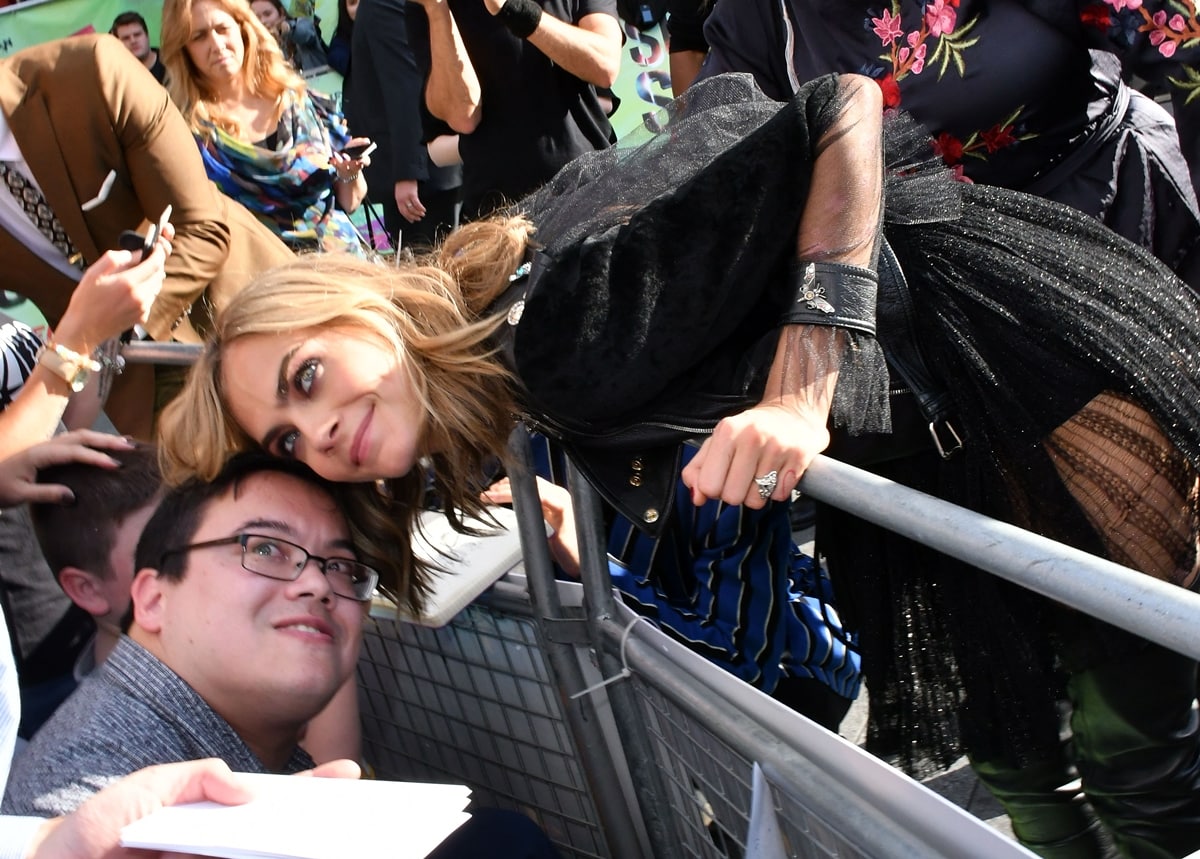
[(521, 17), (833, 294)]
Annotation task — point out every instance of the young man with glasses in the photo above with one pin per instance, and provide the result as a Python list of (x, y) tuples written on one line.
[(247, 610), (245, 621)]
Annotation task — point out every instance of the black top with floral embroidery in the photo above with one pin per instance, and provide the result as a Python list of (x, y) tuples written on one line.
[(1008, 88)]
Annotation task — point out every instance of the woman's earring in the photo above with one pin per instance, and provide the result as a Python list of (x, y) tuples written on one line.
[(383, 488)]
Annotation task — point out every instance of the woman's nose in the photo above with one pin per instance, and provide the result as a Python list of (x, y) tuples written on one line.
[(321, 431)]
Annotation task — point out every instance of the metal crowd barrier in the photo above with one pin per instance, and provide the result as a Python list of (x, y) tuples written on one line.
[(553, 699)]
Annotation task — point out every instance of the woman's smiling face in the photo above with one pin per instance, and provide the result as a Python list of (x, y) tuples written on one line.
[(342, 402)]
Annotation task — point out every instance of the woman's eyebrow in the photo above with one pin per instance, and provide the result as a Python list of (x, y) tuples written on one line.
[(281, 385)]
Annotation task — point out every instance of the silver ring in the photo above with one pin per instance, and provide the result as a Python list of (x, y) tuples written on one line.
[(767, 484)]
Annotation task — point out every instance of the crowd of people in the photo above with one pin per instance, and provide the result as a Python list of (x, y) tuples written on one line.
[(838, 240)]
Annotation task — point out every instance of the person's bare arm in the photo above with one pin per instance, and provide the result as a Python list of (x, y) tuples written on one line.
[(590, 50), (559, 513), (350, 186), (788, 427), (113, 295), (684, 65), (452, 92)]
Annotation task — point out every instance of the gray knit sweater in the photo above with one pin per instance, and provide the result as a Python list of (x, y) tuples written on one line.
[(130, 713)]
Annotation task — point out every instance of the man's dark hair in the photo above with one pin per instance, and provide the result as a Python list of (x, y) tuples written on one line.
[(82, 533), (175, 522), (127, 18)]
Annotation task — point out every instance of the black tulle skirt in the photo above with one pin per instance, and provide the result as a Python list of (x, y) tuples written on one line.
[(1027, 310)]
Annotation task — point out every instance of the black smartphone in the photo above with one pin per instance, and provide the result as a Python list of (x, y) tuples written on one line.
[(358, 150), (134, 242)]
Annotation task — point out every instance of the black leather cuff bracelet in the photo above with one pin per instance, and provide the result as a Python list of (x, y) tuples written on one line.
[(521, 17), (829, 293)]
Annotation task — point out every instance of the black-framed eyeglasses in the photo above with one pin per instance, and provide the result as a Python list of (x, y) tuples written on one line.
[(276, 558)]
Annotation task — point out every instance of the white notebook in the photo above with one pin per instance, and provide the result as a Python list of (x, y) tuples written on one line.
[(472, 564), (278, 822)]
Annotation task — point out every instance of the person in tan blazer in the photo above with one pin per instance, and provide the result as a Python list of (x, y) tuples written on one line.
[(82, 108)]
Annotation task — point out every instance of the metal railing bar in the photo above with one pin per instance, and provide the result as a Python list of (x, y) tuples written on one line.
[(1153, 609)]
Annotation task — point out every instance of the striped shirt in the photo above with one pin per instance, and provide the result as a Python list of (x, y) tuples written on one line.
[(730, 584)]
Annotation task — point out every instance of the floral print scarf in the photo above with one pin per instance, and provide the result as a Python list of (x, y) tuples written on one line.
[(288, 185)]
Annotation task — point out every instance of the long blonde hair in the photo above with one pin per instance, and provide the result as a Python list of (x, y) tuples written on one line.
[(431, 312), (268, 73)]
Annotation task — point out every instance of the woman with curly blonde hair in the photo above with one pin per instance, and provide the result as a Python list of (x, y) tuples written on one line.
[(401, 358), (267, 141)]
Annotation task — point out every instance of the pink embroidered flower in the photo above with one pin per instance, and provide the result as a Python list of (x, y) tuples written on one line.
[(998, 137), (1156, 37), (1159, 18), (891, 91), (1096, 16), (1167, 49), (949, 148), (918, 65), (888, 27), (1120, 5), (1177, 23), (940, 17)]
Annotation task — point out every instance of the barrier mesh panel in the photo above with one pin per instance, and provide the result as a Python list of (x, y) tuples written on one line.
[(474, 703), (709, 790)]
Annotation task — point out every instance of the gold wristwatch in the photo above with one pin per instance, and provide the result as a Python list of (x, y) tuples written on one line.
[(68, 365)]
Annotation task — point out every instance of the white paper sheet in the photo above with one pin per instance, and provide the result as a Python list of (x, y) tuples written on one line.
[(472, 563), (310, 818)]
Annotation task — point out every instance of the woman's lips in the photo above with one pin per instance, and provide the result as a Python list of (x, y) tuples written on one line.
[(358, 450)]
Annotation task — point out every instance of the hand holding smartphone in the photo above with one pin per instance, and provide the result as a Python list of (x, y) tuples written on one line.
[(134, 242), (360, 150)]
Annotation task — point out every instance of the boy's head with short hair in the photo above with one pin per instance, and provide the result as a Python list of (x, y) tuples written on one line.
[(90, 543)]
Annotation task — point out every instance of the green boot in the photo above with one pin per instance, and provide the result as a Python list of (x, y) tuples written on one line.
[(1136, 744), (1053, 822)]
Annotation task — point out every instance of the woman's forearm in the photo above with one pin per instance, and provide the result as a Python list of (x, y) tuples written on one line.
[(759, 454), (590, 50), (349, 195), (841, 216), (839, 224), (452, 91)]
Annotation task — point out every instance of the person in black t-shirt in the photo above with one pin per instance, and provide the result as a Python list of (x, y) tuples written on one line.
[(130, 28), (517, 80)]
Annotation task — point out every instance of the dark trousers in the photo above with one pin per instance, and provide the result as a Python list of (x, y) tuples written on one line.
[(1136, 746), (813, 699), (441, 215)]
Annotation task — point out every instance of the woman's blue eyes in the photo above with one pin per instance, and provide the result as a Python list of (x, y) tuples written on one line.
[(306, 375), (287, 443), (302, 380)]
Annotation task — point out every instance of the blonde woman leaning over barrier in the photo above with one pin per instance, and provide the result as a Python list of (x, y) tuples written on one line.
[(1055, 363)]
